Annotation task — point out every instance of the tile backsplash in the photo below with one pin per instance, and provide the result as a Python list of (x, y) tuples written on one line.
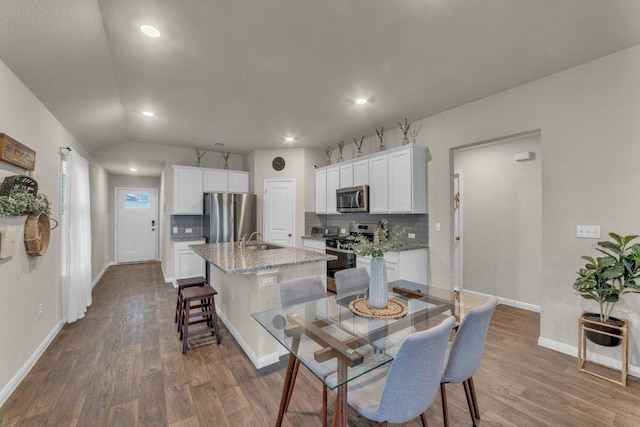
[(417, 224), (184, 222)]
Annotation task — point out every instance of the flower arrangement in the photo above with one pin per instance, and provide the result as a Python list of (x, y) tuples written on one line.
[(405, 129), (382, 242), (340, 148), (329, 152), (21, 202)]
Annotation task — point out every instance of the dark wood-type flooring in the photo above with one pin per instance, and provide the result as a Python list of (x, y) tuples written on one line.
[(122, 366)]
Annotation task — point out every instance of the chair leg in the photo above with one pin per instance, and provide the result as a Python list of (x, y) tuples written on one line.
[(293, 383), (474, 398), (423, 418), (467, 392), (184, 334), (445, 408), (324, 405)]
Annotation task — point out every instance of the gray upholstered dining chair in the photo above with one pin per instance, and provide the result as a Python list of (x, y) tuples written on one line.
[(298, 291), (404, 389), (465, 356), (351, 280)]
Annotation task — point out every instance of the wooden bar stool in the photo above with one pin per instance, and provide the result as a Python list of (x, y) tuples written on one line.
[(198, 304), (189, 282)]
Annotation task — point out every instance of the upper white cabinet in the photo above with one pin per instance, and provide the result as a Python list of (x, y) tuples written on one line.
[(333, 183), (238, 182), (216, 181), (346, 175), (224, 181), (187, 190), (378, 185), (397, 180), (407, 181), (327, 182), (321, 191), (361, 172), (190, 182)]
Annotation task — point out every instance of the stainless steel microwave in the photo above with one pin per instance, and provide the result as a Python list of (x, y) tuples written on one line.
[(353, 199)]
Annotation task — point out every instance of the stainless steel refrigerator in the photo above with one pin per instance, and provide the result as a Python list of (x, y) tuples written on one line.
[(228, 217)]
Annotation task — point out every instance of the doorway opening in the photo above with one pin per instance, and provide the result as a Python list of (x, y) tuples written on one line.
[(497, 220)]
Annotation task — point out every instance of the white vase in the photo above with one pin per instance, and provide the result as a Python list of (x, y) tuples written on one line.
[(378, 288)]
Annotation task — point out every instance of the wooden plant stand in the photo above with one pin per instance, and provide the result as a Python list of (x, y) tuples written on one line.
[(587, 325)]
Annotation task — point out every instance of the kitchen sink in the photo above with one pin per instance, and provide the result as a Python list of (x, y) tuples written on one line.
[(261, 247)]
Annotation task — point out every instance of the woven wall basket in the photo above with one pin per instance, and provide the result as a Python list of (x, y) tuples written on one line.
[(36, 233)]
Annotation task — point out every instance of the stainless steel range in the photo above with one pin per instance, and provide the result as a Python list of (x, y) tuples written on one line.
[(346, 257)]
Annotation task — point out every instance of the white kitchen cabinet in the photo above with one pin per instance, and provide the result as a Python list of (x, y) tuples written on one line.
[(333, 183), (346, 175), (405, 265), (407, 181), (187, 190), (361, 172), (321, 191), (216, 181), (378, 185), (187, 263), (314, 245), (238, 182)]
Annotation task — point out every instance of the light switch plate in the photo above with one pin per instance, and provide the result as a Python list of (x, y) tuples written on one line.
[(175, 230), (188, 230), (412, 235)]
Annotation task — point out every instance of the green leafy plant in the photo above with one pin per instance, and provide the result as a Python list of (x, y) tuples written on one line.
[(20, 202), (382, 242), (605, 279)]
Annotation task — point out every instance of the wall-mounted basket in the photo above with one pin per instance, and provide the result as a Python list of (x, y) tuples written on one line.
[(36, 233)]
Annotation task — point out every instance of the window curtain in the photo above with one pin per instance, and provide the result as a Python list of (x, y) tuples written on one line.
[(75, 234)]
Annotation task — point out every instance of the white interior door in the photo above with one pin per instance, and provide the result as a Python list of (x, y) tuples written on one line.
[(457, 230), (279, 212), (136, 224)]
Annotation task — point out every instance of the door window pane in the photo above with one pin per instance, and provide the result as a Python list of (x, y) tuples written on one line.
[(136, 201)]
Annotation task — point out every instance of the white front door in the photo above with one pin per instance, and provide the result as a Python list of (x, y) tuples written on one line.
[(136, 224), (279, 212)]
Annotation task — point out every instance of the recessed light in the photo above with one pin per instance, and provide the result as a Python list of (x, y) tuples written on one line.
[(133, 169), (150, 31), (148, 113), (361, 101), (289, 139)]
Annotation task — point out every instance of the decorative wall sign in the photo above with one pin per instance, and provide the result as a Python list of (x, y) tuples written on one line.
[(11, 151)]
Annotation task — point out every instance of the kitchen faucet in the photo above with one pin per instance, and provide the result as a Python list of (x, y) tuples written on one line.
[(244, 242)]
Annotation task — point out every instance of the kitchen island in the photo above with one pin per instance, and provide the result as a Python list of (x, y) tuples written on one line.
[(247, 281)]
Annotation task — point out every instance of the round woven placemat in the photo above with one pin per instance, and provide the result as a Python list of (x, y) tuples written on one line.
[(394, 310)]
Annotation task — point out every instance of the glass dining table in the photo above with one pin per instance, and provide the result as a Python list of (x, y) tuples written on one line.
[(325, 335)]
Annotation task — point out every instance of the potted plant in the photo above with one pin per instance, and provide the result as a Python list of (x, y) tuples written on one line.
[(382, 242), (605, 279)]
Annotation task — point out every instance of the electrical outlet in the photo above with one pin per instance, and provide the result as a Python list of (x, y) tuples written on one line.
[(268, 281), (412, 235), (437, 226), (588, 231), (175, 230), (343, 231), (188, 230), (40, 310)]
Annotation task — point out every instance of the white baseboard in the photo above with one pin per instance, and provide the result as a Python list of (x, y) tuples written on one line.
[(598, 358), (164, 276), (505, 301), (261, 362), (97, 279), (24, 370)]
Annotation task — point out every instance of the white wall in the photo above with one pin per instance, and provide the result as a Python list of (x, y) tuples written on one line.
[(26, 281), (501, 207), (126, 181), (590, 145), (299, 166)]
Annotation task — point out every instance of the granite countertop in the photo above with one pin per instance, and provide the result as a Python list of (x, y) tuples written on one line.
[(186, 239), (231, 259)]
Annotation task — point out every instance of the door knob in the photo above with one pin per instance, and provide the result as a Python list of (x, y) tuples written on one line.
[(289, 234), (457, 237)]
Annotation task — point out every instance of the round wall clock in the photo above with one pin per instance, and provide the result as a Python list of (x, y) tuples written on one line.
[(278, 163)]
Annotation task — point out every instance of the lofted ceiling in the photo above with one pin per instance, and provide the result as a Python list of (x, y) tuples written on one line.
[(248, 73)]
